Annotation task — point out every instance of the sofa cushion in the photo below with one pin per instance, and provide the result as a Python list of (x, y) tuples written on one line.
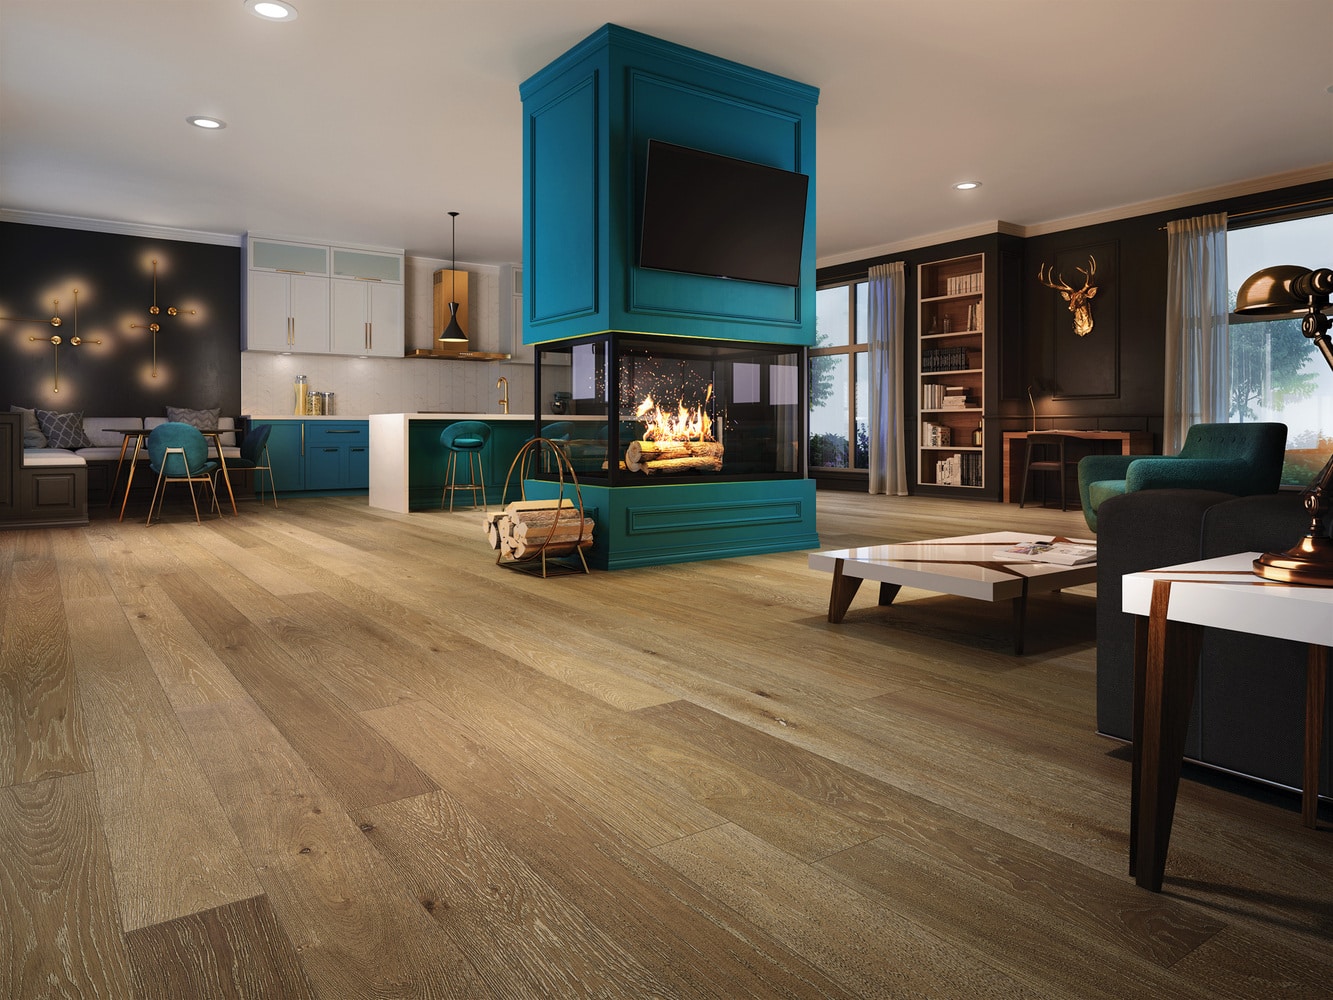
[(100, 454), (104, 432), (47, 457), (32, 431), (205, 420), (63, 430)]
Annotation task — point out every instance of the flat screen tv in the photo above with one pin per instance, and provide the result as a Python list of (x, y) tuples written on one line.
[(719, 216)]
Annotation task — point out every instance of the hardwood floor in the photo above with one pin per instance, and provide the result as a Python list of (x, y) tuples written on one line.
[(325, 751)]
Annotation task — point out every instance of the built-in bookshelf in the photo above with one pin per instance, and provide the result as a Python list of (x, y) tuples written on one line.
[(951, 397)]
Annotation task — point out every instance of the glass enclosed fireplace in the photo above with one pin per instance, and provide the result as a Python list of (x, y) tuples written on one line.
[(651, 410)]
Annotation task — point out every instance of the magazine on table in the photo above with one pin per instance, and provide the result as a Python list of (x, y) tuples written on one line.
[(1061, 553)]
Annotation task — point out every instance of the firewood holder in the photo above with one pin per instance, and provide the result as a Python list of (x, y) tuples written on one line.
[(541, 559)]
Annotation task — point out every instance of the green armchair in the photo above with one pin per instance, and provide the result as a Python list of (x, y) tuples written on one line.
[(1240, 459)]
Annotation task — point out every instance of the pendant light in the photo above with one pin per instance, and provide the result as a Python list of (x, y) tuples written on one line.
[(453, 333)]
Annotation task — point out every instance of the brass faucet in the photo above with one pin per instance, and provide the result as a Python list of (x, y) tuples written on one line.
[(503, 382)]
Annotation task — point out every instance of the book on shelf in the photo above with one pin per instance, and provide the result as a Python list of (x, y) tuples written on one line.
[(1060, 553), (963, 284), (962, 469), (936, 435)]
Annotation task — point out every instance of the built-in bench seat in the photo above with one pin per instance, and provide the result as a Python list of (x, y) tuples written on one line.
[(39, 487)]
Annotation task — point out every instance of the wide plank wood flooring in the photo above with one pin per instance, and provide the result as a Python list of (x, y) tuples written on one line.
[(330, 752)]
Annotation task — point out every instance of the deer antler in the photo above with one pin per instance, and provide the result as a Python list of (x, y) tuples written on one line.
[(1045, 271), (1087, 275)]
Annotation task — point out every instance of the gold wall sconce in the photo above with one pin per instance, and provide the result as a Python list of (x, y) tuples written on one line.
[(1079, 299), (152, 325), (55, 340)]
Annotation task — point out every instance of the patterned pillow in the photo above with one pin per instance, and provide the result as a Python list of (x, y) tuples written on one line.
[(205, 420), (32, 431), (63, 430)]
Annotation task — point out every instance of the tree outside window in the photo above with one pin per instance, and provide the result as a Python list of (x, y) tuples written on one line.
[(839, 389), (1276, 373)]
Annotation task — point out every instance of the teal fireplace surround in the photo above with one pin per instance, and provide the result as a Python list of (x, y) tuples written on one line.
[(588, 117)]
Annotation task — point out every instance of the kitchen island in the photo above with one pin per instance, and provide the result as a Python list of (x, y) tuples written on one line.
[(407, 460)]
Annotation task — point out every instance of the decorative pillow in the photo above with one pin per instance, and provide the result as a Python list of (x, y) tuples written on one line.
[(205, 420), (63, 430), (32, 431)]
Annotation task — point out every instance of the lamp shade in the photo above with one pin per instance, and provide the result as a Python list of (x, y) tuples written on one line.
[(453, 333), (1270, 293)]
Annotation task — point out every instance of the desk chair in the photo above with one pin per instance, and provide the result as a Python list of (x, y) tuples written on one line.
[(1046, 454), (254, 458), (467, 437), (178, 453)]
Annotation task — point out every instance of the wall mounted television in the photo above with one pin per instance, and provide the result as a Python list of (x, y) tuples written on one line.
[(715, 215)]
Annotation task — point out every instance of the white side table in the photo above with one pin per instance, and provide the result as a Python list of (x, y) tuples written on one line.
[(1173, 605)]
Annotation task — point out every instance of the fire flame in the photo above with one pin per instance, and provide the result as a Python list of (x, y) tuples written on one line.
[(686, 424)]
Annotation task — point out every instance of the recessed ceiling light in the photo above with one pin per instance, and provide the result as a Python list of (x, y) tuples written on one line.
[(204, 121), (272, 10), (967, 185)]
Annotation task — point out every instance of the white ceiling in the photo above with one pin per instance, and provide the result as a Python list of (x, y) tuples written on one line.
[(365, 121)]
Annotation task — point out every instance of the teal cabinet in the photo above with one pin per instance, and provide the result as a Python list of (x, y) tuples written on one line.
[(287, 455), (319, 455), (337, 455)]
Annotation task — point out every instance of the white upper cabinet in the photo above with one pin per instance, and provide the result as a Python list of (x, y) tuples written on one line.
[(312, 299), (366, 318)]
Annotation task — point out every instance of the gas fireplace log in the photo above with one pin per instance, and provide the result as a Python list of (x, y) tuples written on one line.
[(640, 455), (701, 464)]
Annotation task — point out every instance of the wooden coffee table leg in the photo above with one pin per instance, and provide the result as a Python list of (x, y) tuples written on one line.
[(887, 592), (840, 597)]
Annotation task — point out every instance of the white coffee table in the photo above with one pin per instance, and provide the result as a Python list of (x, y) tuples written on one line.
[(965, 566)]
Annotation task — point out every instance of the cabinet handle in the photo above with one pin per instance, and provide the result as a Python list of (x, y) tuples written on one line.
[(366, 333), (333, 430), (303, 439), (287, 270)]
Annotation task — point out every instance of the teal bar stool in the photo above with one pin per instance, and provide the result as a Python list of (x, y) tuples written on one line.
[(467, 437)]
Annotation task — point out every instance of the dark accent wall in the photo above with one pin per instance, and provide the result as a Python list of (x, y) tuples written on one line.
[(1112, 379), (198, 356)]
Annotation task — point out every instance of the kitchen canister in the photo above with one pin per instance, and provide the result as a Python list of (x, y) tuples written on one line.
[(302, 386), (315, 404), (325, 402)]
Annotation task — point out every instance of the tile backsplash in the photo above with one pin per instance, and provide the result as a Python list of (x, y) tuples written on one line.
[(362, 386)]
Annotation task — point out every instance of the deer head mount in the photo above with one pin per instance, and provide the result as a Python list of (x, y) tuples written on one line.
[(1079, 299)]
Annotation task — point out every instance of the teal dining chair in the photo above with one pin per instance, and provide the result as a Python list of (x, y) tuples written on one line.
[(178, 453)]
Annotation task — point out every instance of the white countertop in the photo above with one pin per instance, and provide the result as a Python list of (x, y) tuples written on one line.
[(422, 415)]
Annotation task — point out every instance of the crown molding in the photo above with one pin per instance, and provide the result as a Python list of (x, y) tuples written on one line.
[(917, 242), (1188, 199), (118, 228)]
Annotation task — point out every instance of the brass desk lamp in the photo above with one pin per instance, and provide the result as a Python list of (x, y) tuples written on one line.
[(1286, 290)]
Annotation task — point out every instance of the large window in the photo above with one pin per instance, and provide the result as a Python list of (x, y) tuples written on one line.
[(840, 379), (1276, 373)]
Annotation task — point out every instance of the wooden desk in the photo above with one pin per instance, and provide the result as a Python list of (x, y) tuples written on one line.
[(1173, 605), (1099, 443)]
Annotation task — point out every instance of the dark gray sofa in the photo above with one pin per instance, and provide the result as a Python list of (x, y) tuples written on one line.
[(1249, 706)]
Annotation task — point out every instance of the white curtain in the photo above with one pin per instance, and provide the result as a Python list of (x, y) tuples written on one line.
[(1198, 354), (888, 444)]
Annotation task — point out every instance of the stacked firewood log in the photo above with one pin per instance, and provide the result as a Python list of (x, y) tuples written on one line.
[(651, 457), (526, 529)]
